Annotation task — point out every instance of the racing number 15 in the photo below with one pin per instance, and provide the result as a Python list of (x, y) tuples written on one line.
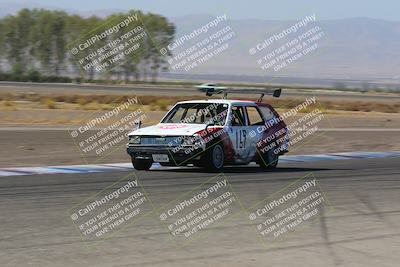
[(241, 139)]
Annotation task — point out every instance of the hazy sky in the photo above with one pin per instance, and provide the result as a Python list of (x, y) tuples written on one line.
[(238, 9)]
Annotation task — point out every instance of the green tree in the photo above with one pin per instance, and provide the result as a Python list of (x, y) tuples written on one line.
[(162, 33), (35, 43), (49, 36), (15, 39)]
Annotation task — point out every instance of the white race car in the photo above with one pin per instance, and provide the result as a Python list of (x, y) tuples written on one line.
[(212, 133)]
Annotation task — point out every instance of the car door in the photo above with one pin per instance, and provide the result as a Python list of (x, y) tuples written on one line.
[(274, 127), (255, 123), (238, 133)]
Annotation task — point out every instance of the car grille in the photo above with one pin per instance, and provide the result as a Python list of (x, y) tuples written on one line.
[(158, 140)]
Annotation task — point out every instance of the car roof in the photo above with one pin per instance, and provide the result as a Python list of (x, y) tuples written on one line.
[(221, 101)]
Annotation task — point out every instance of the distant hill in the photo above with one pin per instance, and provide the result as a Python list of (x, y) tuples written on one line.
[(357, 48), (352, 49)]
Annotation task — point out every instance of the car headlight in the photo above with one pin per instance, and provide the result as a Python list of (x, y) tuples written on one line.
[(187, 140), (134, 139), (190, 140)]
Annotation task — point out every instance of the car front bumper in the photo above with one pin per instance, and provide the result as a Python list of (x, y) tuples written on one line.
[(182, 156)]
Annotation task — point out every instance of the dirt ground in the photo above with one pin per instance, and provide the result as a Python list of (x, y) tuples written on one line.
[(38, 144), (62, 118), (37, 137)]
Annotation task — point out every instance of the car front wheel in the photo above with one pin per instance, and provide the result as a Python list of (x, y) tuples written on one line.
[(214, 158), (142, 164)]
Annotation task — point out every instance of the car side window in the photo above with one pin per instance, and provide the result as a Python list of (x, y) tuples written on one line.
[(267, 113), (238, 118), (254, 116)]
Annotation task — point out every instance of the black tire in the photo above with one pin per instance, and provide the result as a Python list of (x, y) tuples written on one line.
[(167, 164), (269, 160), (199, 164), (142, 164), (214, 158)]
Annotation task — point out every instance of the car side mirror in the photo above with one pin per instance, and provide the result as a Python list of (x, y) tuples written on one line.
[(209, 124), (138, 124)]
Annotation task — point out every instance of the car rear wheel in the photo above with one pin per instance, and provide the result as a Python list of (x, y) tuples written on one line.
[(269, 160), (214, 158), (142, 164)]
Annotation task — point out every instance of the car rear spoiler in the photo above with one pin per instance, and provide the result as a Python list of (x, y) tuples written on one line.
[(215, 90)]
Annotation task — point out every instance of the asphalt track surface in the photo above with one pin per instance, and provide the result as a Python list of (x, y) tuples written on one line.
[(360, 227)]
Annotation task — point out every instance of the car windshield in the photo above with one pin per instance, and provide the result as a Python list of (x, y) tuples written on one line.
[(199, 113)]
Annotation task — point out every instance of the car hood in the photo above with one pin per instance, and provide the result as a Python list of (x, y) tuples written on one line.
[(170, 129)]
